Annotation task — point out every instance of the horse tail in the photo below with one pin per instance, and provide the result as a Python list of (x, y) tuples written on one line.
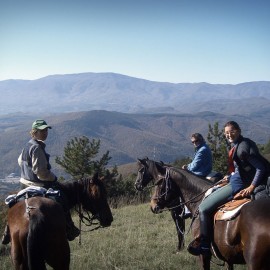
[(35, 243)]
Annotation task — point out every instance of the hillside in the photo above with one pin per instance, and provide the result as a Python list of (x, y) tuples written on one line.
[(117, 92), (127, 136)]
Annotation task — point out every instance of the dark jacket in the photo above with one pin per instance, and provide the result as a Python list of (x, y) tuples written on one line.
[(246, 155)]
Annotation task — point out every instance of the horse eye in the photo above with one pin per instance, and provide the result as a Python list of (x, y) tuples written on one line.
[(141, 170)]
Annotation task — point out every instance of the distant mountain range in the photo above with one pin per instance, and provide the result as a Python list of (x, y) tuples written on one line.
[(132, 117), (127, 136), (116, 92)]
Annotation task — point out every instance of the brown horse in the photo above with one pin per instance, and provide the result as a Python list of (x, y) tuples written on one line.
[(242, 240), (152, 170), (38, 224)]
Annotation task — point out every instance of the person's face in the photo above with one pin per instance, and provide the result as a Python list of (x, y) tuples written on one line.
[(42, 134), (194, 141), (231, 134)]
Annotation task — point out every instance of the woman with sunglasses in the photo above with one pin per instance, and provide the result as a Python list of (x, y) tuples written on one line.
[(248, 170)]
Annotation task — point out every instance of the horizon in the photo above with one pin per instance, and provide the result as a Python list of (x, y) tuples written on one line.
[(177, 41), (67, 74)]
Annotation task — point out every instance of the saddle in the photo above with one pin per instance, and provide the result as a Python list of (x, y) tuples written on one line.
[(230, 210), (29, 192)]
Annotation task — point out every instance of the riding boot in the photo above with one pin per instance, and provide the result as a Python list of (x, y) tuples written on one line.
[(72, 230), (205, 237), (6, 236)]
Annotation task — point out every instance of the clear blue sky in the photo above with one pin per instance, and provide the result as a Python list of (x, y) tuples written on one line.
[(218, 41)]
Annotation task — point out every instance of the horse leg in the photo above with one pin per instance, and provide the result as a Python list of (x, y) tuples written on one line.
[(204, 262), (180, 228), (19, 258), (229, 266)]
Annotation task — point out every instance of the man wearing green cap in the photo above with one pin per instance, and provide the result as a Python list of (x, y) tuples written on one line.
[(36, 171), (34, 161)]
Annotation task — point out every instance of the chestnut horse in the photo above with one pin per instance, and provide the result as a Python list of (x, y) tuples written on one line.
[(242, 240), (151, 170), (38, 224)]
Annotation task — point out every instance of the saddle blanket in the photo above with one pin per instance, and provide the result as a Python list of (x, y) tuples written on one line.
[(31, 192), (231, 209)]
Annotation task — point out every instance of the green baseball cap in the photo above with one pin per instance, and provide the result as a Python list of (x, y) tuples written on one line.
[(40, 124)]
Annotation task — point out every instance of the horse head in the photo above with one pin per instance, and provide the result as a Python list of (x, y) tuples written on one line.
[(94, 199), (166, 195), (148, 170)]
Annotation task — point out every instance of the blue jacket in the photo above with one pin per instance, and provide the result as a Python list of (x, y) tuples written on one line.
[(201, 164)]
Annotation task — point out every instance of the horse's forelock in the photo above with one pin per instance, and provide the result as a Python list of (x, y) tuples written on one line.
[(93, 187)]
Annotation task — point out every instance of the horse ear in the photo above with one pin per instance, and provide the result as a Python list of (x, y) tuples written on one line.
[(95, 177)]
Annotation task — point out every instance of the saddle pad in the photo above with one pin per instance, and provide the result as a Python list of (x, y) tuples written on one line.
[(231, 209), (31, 192)]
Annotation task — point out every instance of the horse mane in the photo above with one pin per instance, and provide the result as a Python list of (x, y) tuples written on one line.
[(188, 181)]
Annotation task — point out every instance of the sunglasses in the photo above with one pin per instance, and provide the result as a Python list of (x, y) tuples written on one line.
[(195, 141), (232, 132)]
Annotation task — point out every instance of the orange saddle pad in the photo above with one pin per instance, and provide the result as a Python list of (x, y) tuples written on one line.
[(230, 209)]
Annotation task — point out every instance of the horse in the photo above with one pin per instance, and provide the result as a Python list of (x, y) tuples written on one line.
[(151, 170), (244, 239), (38, 225)]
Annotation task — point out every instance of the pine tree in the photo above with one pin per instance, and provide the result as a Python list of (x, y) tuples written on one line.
[(218, 145), (79, 159)]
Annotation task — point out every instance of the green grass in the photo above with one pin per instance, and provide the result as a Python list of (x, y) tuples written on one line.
[(137, 240)]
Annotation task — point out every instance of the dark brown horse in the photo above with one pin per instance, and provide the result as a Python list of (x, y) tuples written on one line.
[(149, 170), (242, 240), (38, 224)]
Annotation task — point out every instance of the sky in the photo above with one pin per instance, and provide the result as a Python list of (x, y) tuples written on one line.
[(178, 41)]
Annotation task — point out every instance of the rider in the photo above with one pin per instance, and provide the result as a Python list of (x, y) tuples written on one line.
[(36, 171), (250, 170), (201, 164)]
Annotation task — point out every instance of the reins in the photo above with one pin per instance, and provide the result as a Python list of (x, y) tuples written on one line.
[(87, 220), (181, 203), (184, 203)]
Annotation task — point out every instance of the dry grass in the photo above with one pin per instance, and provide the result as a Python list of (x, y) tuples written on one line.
[(137, 240)]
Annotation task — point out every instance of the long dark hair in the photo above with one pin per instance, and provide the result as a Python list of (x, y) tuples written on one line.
[(233, 124)]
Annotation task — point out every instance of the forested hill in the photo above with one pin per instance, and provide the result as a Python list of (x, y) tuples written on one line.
[(127, 136)]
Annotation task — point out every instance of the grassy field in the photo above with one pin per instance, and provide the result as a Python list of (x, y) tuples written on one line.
[(137, 240)]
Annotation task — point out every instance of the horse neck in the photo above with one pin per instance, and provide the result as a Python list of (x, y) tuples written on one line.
[(156, 171), (71, 190), (192, 188)]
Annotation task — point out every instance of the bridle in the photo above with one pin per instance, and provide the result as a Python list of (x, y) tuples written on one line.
[(167, 181), (85, 216), (145, 176)]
